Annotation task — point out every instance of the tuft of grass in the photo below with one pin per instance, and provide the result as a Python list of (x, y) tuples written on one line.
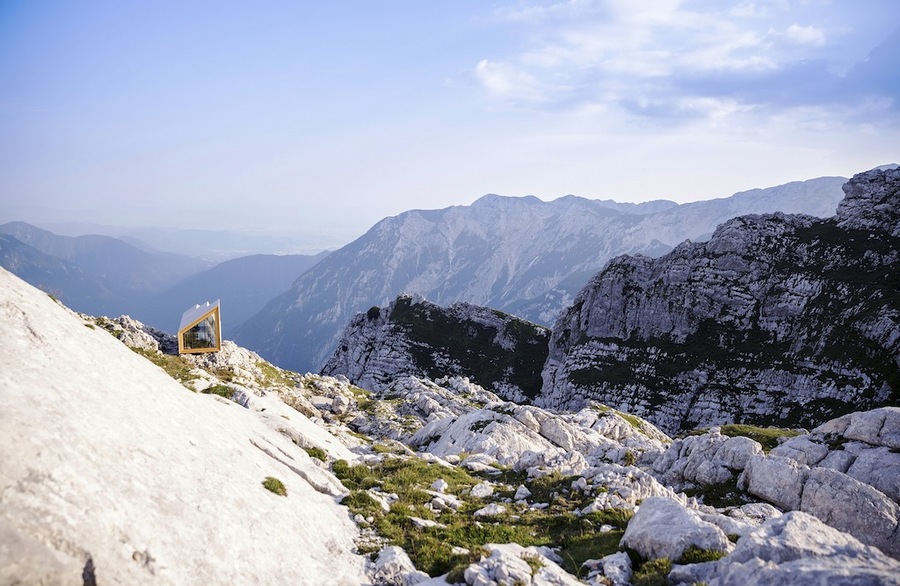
[(175, 366), (457, 573), (766, 436), (725, 494), (274, 485), (533, 562), (220, 390), (273, 376), (652, 573), (633, 421), (695, 555), (317, 453)]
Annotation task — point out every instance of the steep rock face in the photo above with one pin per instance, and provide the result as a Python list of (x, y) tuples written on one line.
[(412, 337), (517, 254), (777, 319)]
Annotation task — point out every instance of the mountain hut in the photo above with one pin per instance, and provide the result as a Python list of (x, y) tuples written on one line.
[(200, 329)]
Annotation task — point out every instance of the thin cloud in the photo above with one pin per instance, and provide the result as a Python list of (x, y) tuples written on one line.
[(679, 59), (805, 35)]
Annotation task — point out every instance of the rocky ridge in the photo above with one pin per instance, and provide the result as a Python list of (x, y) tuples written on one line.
[(782, 319), (413, 337)]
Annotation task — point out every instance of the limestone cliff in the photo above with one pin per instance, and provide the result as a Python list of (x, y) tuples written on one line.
[(777, 319), (413, 337)]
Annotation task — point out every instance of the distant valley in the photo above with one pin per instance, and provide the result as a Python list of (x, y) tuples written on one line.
[(108, 276)]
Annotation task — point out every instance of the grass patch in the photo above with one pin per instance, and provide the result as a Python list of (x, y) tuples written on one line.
[(725, 494), (275, 486), (633, 421), (175, 366), (578, 537), (652, 573), (273, 376), (317, 453), (695, 555), (220, 390), (766, 436)]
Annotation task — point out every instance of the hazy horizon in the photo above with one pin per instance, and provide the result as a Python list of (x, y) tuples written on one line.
[(320, 120)]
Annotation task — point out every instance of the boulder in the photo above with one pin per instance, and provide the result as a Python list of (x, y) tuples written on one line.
[(879, 427), (777, 479), (880, 468), (711, 458), (799, 549), (394, 568), (482, 490), (683, 528), (617, 568), (491, 510), (852, 506)]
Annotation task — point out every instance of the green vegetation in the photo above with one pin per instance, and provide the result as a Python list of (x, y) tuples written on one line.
[(633, 421), (726, 494), (274, 485), (317, 453), (766, 436), (176, 366), (109, 326), (578, 537), (533, 562), (220, 390), (695, 555), (652, 573)]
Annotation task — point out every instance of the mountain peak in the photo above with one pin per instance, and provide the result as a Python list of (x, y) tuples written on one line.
[(872, 201)]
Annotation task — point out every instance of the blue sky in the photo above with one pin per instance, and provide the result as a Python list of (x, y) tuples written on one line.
[(321, 118)]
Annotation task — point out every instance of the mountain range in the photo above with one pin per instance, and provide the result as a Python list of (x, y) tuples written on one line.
[(782, 319), (520, 255)]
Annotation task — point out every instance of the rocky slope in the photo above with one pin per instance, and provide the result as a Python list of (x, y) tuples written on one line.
[(778, 319), (110, 470), (413, 337), (518, 255)]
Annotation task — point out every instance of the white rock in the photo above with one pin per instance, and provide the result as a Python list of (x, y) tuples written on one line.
[(491, 510), (798, 549), (482, 490), (776, 479), (507, 565), (849, 505), (439, 485), (394, 568), (522, 493), (802, 450), (617, 567), (683, 528), (880, 468)]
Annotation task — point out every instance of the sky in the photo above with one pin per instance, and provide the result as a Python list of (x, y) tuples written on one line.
[(317, 119)]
